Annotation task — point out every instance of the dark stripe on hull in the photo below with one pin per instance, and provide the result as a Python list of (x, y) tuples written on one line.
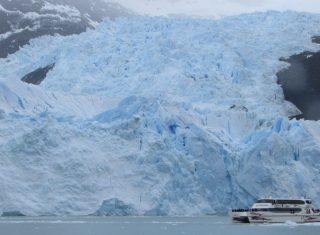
[(241, 219)]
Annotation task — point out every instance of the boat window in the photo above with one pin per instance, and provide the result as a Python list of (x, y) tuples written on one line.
[(279, 210), (266, 201), (308, 201), (280, 201), (297, 202), (285, 210)]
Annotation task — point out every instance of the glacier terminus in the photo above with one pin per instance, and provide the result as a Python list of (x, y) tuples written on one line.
[(157, 116)]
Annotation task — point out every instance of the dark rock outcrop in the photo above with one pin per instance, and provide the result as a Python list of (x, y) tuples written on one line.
[(301, 83), (316, 39), (37, 76)]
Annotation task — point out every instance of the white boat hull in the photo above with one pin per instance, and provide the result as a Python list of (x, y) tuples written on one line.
[(265, 217), (283, 218)]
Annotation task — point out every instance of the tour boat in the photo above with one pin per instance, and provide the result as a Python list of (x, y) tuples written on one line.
[(277, 210)]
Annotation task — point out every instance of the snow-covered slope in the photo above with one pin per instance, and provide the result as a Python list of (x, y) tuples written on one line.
[(215, 8), (23, 20), (157, 116)]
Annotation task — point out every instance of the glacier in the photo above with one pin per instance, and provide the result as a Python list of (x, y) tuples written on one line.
[(157, 116)]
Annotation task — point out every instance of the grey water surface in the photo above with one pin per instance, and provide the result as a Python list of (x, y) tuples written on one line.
[(213, 225)]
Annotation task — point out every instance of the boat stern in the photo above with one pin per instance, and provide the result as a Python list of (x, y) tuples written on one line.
[(239, 216)]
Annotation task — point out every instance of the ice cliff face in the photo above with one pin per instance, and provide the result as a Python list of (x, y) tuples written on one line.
[(157, 116)]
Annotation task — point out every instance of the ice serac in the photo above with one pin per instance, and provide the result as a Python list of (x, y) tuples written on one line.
[(157, 116)]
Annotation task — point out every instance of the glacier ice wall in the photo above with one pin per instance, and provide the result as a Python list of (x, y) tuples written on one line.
[(163, 116)]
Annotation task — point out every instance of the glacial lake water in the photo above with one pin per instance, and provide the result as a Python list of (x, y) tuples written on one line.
[(214, 225)]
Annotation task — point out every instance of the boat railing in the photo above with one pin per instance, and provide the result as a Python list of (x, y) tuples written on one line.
[(245, 210)]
